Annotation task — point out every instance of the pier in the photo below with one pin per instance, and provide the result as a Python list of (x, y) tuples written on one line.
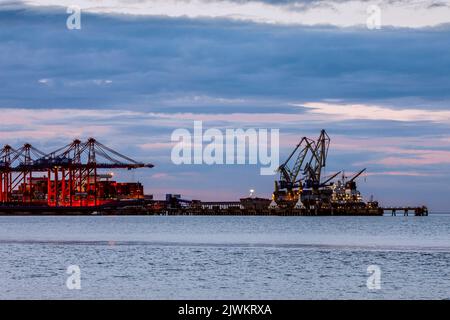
[(417, 211), (244, 207)]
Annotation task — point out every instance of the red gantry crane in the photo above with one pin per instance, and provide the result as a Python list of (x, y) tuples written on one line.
[(72, 177)]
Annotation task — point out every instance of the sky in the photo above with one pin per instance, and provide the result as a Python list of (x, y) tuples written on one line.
[(138, 70)]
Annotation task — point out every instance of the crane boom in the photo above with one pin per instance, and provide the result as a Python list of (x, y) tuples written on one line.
[(330, 178), (357, 175)]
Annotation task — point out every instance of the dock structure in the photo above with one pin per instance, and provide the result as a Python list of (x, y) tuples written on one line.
[(220, 205), (245, 207), (72, 180), (417, 211)]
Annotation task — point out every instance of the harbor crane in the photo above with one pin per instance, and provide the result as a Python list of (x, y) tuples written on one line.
[(303, 169), (301, 183), (71, 171)]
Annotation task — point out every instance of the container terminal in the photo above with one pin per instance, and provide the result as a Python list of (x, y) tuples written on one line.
[(71, 181)]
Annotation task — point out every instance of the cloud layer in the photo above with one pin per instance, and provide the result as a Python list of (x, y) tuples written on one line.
[(158, 63), (400, 13)]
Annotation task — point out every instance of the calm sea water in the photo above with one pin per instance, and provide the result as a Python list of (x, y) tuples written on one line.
[(225, 257)]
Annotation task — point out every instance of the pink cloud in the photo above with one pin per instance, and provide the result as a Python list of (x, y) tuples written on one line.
[(374, 112), (419, 158), (398, 151), (156, 145), (54, 132), (400, 173), (160, 175)]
